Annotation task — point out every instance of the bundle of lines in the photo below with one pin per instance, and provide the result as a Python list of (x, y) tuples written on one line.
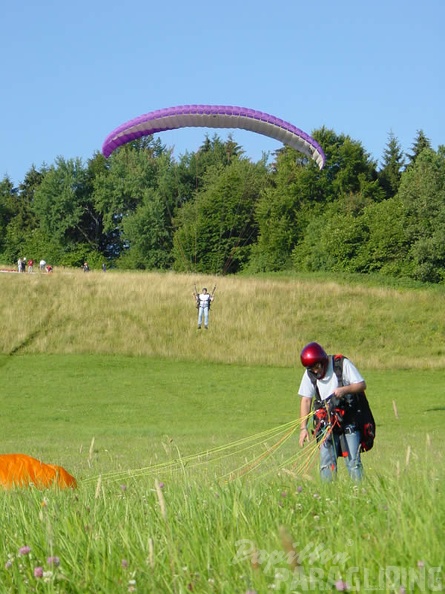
[(258, 455)]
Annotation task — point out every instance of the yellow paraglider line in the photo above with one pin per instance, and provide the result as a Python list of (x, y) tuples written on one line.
[(300, 463), (223, 452), (246, 468)]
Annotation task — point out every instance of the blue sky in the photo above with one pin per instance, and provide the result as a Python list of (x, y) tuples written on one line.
[(73, 71)]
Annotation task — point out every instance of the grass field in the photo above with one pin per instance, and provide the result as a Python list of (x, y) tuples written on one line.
[(107, 375)]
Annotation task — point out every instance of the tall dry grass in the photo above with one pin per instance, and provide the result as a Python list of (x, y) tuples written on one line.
[(253, 321)]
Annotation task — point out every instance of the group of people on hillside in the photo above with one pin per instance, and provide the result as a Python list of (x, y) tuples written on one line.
[(23, 264)]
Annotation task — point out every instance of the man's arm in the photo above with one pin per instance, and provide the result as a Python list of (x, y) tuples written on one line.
[(351, 389), (305, 409)]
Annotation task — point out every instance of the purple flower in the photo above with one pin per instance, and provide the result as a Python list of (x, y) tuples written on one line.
[(38, 572), (341, 586), (53, 561), (8, 564), (24, 550), (299, 489), (124, 563), (161, 485)]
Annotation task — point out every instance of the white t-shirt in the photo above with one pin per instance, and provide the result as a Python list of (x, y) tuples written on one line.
[(204, 299), (327, 385)]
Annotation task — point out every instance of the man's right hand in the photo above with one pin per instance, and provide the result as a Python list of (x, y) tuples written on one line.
[(304, 436)]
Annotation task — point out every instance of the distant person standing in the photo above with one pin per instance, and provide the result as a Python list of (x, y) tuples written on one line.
[(30, 265), (42, 265), (19, 265), (203, 303), (85, 267), (104, 267)]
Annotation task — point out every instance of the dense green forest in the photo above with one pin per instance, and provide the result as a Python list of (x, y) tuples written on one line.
[(216, 211)]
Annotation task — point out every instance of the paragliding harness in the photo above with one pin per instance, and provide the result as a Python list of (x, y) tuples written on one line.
[(336, 414), (210, 300)]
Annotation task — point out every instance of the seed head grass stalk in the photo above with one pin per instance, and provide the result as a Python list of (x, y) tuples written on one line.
[(261, 534)]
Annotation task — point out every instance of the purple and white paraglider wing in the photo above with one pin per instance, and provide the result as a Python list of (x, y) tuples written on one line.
[(214, 116)]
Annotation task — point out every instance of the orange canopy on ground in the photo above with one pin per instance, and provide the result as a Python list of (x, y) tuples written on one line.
[(20, 470)]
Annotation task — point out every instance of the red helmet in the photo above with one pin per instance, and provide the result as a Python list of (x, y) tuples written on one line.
[(312, 354)]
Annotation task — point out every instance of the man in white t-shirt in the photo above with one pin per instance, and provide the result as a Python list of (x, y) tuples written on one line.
[(320, 385), (203, 301)]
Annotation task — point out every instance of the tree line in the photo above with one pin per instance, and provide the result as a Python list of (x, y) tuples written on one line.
[(215, 211)]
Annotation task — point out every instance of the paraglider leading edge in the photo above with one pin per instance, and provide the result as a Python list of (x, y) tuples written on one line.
[(214, 116)]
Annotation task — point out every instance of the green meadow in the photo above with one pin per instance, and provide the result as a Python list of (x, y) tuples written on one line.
[(184, 443)]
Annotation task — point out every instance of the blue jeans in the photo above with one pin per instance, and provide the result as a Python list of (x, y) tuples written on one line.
[(203, 311), (332, 448)]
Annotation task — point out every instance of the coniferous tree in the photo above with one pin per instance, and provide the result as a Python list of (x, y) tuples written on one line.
[(420, 143), (392, 167)]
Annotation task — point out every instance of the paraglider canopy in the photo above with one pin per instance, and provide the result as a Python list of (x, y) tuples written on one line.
[(21, 470), (214, 116)]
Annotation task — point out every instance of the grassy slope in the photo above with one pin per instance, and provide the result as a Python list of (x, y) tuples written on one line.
[(117, 358), (254, 321)]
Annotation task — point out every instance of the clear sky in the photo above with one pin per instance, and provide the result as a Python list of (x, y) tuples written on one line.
[(73, 71)]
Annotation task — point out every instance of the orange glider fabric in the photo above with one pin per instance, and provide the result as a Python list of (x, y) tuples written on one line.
[(20, 470)]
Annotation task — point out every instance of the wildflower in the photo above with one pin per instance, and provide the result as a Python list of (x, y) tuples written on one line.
[(124, 563), (24, 550), (341, 586), (161, 485), (53, 561), (123, 487), (284, 494), (420, 564), (8, 564), (38, 572), (299, 489)]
